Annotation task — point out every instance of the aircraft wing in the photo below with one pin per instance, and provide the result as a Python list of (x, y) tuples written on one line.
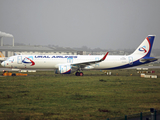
[(84, 64)]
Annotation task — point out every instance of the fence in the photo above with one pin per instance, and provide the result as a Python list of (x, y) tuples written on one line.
[(152, 115)]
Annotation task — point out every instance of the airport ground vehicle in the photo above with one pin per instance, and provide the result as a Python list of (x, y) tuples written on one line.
[(7, 73)]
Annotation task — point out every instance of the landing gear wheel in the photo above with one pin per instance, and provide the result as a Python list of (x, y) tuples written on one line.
[(77, 74), (13, 74), (81, 73)]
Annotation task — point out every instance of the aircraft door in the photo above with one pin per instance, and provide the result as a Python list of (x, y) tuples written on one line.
[(19, 59), (130, 58), (69, 60), (97, 58)]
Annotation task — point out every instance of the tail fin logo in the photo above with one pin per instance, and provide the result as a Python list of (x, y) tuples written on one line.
[(143, 49), (29, 60)]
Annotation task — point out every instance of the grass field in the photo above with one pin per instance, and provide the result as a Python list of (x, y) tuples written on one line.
[(95, 96)]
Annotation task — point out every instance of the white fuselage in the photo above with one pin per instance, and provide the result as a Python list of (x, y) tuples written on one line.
[(67, 64), (53, 61)]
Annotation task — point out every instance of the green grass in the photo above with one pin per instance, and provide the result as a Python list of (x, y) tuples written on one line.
[(44, 95)]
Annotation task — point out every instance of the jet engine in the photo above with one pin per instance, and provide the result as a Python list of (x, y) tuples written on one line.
[(65, 69)]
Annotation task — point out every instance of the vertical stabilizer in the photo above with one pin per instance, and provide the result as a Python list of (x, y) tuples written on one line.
[(1, 55), (145, 47)]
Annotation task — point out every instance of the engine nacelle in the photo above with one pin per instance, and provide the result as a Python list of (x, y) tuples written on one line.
[(64, 69)]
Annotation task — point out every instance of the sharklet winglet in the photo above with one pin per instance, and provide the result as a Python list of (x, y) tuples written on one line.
[(105, 56)]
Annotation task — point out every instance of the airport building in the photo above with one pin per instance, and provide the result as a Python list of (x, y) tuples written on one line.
[(10, 50)]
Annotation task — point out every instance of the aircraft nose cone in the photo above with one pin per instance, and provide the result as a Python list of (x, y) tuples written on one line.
[(2, 64)]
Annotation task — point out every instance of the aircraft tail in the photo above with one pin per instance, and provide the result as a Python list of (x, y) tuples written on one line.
[(145, 47), (2, 57), (144, 50)]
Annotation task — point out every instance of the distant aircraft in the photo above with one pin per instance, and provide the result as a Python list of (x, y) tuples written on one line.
[(2, 57), (66, 64)]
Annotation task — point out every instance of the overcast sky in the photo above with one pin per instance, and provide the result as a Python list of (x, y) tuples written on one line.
[(107, 24)]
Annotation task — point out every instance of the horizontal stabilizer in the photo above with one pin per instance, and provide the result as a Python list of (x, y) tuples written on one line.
[(148, 59)]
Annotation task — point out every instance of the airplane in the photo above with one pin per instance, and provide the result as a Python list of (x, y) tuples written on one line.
[(2, 57), (67, 64)]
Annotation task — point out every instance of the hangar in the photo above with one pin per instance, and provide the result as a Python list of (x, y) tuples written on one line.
[(8, 51)]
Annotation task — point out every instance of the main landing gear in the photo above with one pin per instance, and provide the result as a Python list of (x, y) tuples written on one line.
[(79, 73)]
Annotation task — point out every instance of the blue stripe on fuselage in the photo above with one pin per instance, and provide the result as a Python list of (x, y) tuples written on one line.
[(135, 63), (68, 72)]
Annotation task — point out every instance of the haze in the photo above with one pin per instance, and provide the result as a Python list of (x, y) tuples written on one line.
[(106, 24)]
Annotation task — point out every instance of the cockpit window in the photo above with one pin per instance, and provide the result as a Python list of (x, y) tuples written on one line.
[(10, 59)]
